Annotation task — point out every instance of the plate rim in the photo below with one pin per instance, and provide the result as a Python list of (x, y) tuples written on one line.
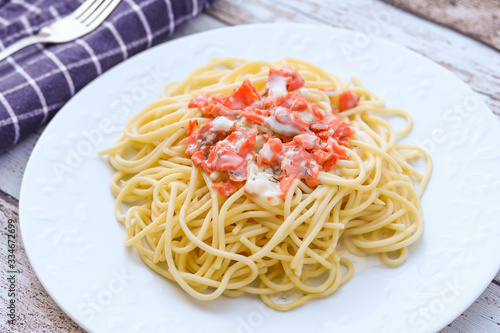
[(478, 288)]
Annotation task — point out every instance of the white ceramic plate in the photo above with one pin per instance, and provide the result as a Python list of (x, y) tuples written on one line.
[(76, 246)]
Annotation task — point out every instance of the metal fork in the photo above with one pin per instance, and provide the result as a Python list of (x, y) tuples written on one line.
[(83, 20)]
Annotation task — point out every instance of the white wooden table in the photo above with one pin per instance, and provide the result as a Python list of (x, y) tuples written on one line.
[(475, 63)]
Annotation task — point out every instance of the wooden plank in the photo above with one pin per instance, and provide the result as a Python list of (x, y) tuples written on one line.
[(470, 60), (257, 11), (473, 66), (38, 312), (202, 22), (466, 58), (13, 162), (478, 19), (482, 316), (8, 198), (12, 165)]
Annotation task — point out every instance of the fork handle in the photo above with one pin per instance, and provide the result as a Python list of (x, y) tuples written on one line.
[(20, 44)]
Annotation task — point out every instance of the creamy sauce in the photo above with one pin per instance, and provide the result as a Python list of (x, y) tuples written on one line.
[(222, 124), (277, 86), (264, 141), (280, 128), (263, 184), (307, 115), (266, 152)]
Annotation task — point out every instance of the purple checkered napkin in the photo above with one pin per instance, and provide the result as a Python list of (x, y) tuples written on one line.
[(37, 81)]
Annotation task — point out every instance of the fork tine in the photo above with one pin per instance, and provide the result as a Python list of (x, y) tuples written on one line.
[(95, 5), (83, 8), (101, 13)]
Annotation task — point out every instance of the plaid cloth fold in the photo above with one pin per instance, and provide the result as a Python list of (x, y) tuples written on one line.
[(37, 81)]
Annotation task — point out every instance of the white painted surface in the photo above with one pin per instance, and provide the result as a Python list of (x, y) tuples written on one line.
[(473, 62)]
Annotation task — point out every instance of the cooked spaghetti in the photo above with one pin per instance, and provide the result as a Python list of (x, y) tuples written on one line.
[(254, 177)]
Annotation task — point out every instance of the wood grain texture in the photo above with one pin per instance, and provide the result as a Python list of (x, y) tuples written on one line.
[(479, 19), (13, 162), (482, 316), (473, 62), (38, 312)]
